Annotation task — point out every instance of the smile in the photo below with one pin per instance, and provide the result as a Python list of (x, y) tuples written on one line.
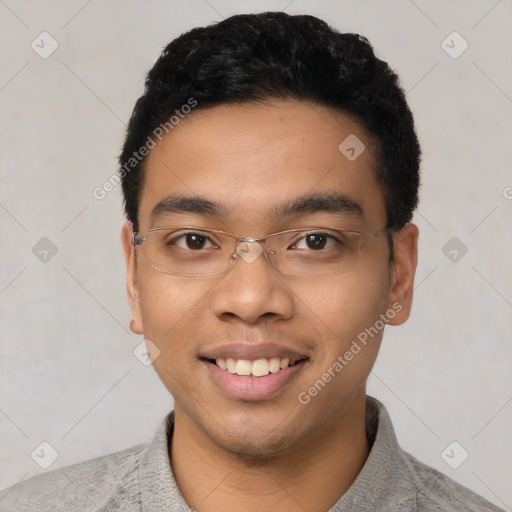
[(247, 386), (258, 368), (253, 371)]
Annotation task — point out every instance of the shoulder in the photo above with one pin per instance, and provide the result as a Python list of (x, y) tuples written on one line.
[(400, 482), (83, 486), (434, 491)]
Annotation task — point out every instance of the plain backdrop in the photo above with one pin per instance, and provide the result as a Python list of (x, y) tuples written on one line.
[(68, 374)]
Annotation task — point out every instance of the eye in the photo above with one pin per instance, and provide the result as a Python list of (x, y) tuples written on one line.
[(194, 241), (316, 241)]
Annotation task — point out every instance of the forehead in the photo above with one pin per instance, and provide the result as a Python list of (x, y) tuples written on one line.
[(250, 158)]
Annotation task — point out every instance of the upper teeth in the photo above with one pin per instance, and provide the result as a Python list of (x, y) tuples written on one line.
[(258, 368)]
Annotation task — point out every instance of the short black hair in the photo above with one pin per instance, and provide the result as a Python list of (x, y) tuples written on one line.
[(257, 57)]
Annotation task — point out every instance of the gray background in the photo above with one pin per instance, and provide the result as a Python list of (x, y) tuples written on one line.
[(68, 375)]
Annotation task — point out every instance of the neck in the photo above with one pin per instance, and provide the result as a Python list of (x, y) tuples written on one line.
[(312, 476)]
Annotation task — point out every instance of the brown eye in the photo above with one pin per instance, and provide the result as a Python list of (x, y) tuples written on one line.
[(195, 241), (191, 240), (316, 241)]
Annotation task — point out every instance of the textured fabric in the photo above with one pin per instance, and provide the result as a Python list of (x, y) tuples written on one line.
[(141, 479)]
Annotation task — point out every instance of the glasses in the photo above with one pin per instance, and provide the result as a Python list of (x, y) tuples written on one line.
[(192, 251)]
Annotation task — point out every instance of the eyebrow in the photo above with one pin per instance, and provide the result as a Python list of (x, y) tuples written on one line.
[(188, 204), (336, 203)]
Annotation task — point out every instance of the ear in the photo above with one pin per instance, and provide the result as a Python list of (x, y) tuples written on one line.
[(403, 269), (131, 278)]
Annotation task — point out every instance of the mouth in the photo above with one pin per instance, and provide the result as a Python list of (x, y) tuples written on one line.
[(256, 368), (252, 373)]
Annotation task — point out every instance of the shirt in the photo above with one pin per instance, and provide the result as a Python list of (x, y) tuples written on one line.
[(140, 479)]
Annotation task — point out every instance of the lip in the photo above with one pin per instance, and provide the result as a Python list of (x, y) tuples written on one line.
[(253, 389), (250, 388), (252, 352)]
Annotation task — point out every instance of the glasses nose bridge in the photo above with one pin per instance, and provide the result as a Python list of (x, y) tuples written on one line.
[(249, 248)]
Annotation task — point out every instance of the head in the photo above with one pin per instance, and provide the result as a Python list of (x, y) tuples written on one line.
[(243, 125)]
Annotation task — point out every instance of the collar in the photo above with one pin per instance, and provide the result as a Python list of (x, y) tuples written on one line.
[(373, 487)]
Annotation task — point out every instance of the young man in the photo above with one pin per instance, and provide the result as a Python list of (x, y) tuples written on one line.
[(270, 171)]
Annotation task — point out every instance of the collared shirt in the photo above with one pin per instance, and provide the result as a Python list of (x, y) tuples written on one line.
[(140, 479)]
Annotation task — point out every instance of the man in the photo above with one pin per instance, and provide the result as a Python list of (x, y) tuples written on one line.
[(270, 171)]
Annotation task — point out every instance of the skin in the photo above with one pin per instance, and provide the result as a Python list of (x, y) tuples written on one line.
[(228, 454)]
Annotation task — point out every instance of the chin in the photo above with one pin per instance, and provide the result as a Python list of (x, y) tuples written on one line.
[(254, 451), (254, 443)]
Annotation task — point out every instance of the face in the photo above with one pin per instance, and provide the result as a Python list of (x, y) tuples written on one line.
[(248, 160)]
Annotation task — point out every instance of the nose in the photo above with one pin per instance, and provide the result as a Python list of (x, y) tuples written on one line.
[(248, 249), (252, 289)]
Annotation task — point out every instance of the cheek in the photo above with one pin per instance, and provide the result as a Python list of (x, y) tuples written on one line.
[(344, 307), (171, 308), (346, 311)]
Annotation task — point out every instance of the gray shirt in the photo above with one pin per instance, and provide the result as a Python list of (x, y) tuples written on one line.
[(141, 479)]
